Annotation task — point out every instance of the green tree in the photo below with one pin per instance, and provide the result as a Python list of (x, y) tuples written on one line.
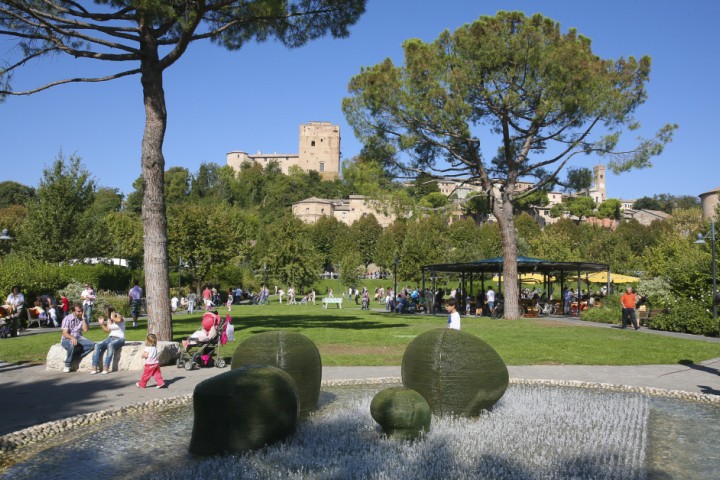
[(177, 185), (426, 242), (107, 200), (527, 229), (145, 38), (14, 193), (286, 249), (208, 236), (365, 232), (465, 241), (579, 207), (364, 177), (476, 206), (390, 244), (540, 92), (125, 231), (423, 185), (133, 201), (434, 201), (648, 203), (610, 208), (528, 203), (59, 226), (578, 180), (325, 235)]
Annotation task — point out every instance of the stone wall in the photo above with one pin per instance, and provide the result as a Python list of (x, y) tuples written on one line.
[(129, 357)]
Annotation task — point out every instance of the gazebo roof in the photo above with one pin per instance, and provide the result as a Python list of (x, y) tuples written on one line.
[(524, 265)]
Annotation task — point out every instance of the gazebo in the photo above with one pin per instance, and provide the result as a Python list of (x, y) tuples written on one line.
[(562, 271)]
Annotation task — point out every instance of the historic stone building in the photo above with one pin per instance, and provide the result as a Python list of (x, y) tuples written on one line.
[(356, 206), (345, 210), (709, 202), (319, 150)]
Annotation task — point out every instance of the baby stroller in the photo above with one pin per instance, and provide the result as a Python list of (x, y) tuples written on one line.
[(8, 322), (203, 351), (365, 303)]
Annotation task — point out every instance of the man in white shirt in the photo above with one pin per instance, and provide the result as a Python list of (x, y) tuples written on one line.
[(490, 299)]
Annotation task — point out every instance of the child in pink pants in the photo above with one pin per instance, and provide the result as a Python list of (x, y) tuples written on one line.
[(152, 364)]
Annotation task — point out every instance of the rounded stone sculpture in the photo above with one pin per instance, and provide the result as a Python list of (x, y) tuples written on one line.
[(401, 412), (243, 409), (456, 372), (292, 352)]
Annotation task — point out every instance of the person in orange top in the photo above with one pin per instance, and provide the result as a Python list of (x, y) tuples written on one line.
[(627, 302)]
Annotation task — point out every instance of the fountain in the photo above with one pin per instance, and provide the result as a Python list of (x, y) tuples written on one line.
[(537, 430)]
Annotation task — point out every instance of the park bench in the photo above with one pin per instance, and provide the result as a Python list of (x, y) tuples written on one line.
[(37, 315), (329, 301)]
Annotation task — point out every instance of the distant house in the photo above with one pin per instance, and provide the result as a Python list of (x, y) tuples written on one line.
[(345, 210), (645, 217)]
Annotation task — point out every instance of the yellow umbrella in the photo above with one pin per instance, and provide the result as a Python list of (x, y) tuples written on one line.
[(530, 278), (602, 277)]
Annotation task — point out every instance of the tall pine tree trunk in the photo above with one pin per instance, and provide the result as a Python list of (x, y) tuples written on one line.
[(157, 283), (503, 211)]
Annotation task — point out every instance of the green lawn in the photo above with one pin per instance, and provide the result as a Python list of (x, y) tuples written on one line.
[(358, 337)]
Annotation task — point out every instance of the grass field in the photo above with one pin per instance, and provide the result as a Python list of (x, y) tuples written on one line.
[(359, 337)]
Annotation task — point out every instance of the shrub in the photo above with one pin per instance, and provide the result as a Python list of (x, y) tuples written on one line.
[(101, 276), (658, 292), (688, 317), (34, 277), (609, 312)]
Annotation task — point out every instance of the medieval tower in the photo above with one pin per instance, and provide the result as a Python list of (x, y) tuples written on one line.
[(319, 150), (598, 190)]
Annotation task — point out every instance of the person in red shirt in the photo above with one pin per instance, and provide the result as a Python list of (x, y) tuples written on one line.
[(65, 306), (627, 302)]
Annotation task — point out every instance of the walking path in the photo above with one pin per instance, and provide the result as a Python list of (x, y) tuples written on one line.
[(31, 395)]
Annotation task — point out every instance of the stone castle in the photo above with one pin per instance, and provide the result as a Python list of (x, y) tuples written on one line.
[(319, 150)]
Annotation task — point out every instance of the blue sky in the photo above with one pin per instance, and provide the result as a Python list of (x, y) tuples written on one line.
[(255, 99)]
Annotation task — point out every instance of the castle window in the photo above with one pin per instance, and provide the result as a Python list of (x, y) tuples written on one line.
[(312, 144), (322, 166), (322, 210)]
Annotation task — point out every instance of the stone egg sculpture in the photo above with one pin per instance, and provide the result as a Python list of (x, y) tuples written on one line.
[(243, 409), (289, 351), (401, 412), (456, 372)]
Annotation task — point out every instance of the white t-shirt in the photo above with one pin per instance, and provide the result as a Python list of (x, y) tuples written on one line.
[(116, 329), (174, 303), (152, 356), (454, 321), (490, 296)]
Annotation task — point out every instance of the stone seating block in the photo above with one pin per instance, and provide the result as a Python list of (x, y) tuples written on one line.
[(129, 357)]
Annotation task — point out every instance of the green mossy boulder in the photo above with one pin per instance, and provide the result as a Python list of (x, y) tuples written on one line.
[(401, 412), (456, 372), (243, 409), (292, 352)]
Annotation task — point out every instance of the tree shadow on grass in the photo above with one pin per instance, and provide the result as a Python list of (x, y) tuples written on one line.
[(272, 322)]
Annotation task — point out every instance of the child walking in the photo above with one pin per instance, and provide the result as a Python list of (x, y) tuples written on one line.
[(152, 364), (453, 317)]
